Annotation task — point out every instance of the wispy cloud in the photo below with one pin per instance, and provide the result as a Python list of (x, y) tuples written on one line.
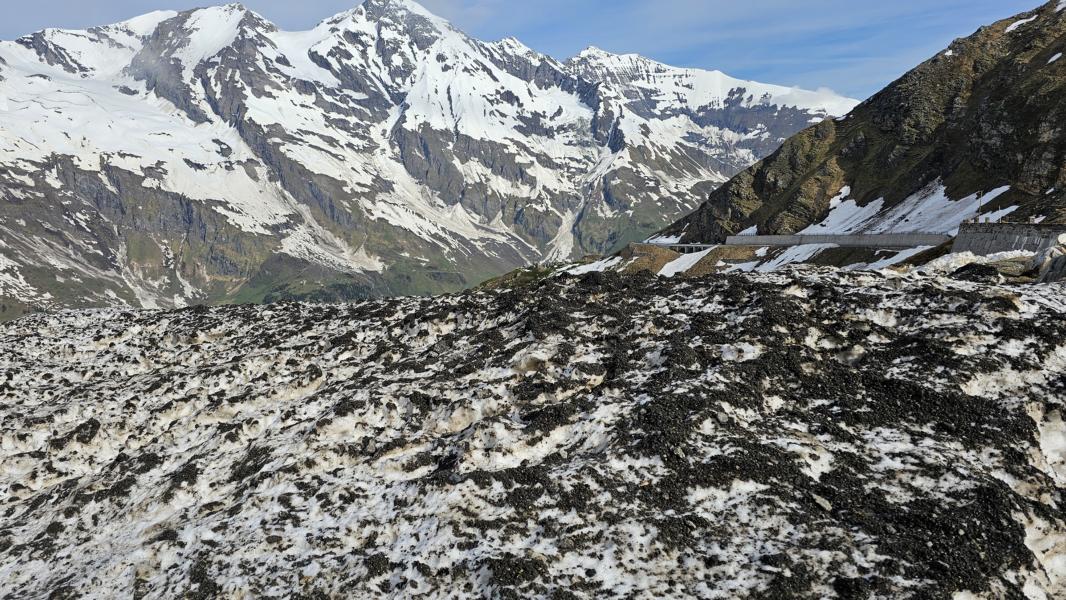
[(852, 47)]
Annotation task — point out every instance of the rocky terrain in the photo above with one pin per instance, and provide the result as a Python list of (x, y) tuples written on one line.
[(976, 130), (207, 156), (809, 433)]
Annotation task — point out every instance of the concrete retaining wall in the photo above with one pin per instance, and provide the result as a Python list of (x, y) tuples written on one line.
[(989, 238), (883, 240)]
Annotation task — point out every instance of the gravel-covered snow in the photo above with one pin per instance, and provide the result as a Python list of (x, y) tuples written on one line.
[(952, 262), (806, 433)]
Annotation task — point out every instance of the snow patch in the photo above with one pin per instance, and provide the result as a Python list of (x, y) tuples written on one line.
[(1015, 25), (210, 31), (794, 254), (683, 263), (931, 211), (893, 259), (561, 248), (845, 216), (596, 267), (664, 240)]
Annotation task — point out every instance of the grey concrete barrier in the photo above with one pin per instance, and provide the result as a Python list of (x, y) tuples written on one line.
[(990, 238), (881, 240)]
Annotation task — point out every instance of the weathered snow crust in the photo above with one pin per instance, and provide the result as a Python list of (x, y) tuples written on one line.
[(806, 433)]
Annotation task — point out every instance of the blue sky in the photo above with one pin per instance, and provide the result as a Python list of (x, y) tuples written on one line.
[(852, 46)]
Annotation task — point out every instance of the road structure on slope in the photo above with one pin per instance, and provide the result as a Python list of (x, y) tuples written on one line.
[(882, 240), (977, 236)]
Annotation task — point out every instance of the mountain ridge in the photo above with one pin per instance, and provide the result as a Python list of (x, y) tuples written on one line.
[(975, 130), (177, 157)]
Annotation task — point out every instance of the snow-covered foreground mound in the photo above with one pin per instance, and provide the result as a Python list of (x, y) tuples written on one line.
[(795, 434)]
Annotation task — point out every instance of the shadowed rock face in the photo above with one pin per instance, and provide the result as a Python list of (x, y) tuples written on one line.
[(383, 151), (577, 437), (985, 114)]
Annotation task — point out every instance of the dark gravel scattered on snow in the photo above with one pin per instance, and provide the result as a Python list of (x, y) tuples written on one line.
[(809, 433)]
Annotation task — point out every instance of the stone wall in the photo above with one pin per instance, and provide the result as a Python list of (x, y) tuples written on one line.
[(990, 238)]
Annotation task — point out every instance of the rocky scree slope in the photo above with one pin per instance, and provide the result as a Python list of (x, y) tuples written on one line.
[(206, 155), (977, 129), (799, 434)]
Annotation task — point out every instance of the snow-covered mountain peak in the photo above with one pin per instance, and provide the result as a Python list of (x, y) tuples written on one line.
[(378, 10), (139, 26), (401, 10), (514, 46), (96, 52), (697, 87), (222, 9), (209, 30), (383, 141), (145, 24), (405, 6), (593, 53)]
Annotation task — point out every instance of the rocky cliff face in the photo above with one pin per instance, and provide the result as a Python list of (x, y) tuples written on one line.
[(584, 437), (208, 156), (976, 130)]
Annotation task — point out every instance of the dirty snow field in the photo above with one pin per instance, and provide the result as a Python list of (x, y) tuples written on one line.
[(807, 433)]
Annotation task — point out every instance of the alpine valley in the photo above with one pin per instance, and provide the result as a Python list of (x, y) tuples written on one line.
[(208, 156)]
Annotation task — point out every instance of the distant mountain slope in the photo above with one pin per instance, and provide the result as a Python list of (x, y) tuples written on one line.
[(978, 129), (208, 156)]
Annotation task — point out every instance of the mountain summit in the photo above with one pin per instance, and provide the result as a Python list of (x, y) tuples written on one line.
[(206, 155)]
